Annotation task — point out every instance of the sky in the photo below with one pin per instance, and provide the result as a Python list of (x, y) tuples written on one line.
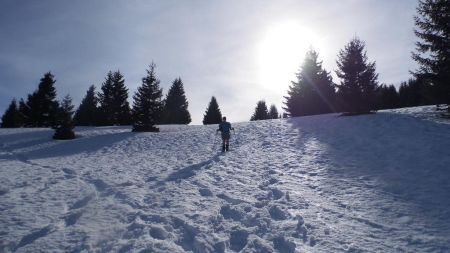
[(240, 51)]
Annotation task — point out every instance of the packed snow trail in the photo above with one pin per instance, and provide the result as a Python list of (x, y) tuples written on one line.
[(371, 183)]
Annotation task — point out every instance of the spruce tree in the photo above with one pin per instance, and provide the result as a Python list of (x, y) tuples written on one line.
[(273, 112), (176, 105), (261, 112), (358, 85), (106, 101), (122, 107), (64, 123), (42, 104), (24, 111), (148, 104), (113, 99), (433, 48), (313, 92), (388, 97), (212, 114), (12, 117), (86, 114), (415, 92)]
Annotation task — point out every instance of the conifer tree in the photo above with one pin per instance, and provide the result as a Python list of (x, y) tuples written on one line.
[(123, 111), (358, 85), (433, 48), (12, 117), (212, 114), (388, 97), (42, 104), (176, 105), (64, 123), (106, 100), (148, 104), (114, 107), (273, 112), (415, 92), (24, 111), (313, 92), (261, 112), (86, 115)]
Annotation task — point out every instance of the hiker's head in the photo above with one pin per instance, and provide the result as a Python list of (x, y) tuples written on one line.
[(224, 119)]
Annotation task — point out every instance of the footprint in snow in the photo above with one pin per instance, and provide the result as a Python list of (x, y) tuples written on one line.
[(72, 218), (275, 194), (238, 239), (205, 192), (231, 213)]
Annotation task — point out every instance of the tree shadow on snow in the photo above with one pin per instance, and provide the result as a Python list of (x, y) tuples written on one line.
[(46, 147), (403, 155)]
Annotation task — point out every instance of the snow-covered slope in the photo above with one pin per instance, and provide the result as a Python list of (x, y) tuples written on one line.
[(371, 183)]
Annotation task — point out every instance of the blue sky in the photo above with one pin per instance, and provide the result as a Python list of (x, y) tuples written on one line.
[(239, 51)]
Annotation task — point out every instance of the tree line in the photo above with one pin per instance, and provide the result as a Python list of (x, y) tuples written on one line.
[(110, 106), (358, 90), (314, 92)]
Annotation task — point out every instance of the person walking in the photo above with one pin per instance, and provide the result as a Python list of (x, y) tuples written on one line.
[(225, 128)]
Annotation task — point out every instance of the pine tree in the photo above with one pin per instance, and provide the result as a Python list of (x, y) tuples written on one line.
[(176, 105), (86, 115), (273, 112), (12, 117), (42, 105), (64, 123), (433, 48), (357, 89), (313, 92), (114, 108), (212, 114), (261, 112), (148, 104)]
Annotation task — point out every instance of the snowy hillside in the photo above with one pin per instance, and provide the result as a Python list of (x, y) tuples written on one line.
[(372, 183)]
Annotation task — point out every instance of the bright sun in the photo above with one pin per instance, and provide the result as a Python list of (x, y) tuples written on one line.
[(281, 53)]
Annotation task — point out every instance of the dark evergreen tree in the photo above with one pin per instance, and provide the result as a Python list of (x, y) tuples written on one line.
[(106, 101), (261, 112), (273, 112), (12, 117), (24, 111), (212, 114), (148, 104), (357, 89), (433, 48), (415, 93), (388, 97), (313, 92), (123, 112), (87, 112), (176, 105), (64, 123), (114, 107), (42, 105)]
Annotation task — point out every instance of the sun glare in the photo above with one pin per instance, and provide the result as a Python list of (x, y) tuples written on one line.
[(281, 53)]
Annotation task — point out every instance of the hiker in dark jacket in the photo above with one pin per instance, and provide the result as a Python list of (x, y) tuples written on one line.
[(225, 128)]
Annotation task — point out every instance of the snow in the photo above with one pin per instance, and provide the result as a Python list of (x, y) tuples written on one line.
[(369, 183)]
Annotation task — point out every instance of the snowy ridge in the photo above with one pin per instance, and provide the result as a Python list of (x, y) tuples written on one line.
[(371, 183)]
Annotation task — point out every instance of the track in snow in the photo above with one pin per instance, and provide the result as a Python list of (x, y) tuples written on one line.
[(375, 183)]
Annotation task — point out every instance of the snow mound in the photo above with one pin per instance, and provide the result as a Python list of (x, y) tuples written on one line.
[(369, 183)]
